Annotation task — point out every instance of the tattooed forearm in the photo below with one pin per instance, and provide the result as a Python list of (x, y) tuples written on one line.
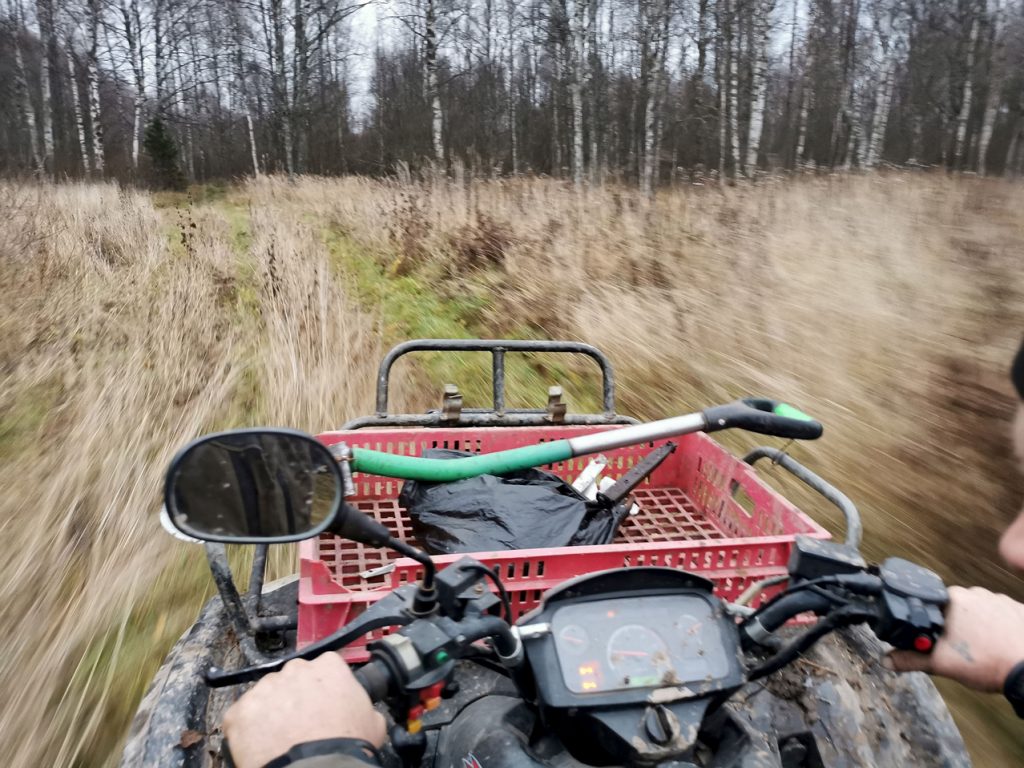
[(964, 650)]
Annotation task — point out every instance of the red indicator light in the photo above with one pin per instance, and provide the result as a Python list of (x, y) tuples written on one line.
[(610, 614), (923, 643)]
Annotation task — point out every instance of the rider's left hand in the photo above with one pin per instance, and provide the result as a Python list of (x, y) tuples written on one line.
[(305, 701), (983, 640)]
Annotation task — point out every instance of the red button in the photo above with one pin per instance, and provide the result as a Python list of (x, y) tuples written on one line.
[(433, 692), (923, 643), (415, 713)]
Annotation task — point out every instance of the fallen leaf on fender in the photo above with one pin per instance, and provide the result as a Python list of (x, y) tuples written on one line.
[(188, 738)]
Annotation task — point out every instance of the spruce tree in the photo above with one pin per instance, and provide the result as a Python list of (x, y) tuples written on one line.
[(163, 154)]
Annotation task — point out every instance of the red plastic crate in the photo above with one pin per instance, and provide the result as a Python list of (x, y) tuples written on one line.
[(703, 510)]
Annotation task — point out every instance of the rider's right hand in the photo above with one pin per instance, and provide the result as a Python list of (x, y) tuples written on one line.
[(305, 701), (983, 640)]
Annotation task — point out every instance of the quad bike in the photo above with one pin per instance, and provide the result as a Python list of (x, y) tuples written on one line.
[(614, 654)]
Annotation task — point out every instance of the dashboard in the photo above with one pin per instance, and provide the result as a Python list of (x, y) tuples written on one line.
[(636, 642)]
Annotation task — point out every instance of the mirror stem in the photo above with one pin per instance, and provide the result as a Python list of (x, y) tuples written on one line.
[(426, 596)]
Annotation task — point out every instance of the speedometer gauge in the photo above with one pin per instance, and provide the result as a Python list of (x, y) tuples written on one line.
[(574, 639), (638, 656)]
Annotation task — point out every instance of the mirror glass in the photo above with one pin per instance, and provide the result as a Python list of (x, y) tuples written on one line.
[(254, 486)]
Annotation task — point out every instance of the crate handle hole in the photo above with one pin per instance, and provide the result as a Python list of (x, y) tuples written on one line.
[(742, 498)]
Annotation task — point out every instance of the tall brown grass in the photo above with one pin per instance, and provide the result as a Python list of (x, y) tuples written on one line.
[(889, 306), (125, 332)]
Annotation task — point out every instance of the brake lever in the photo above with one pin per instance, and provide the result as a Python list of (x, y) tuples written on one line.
[(393, 610)]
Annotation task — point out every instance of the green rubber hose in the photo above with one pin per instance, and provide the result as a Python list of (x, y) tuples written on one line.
[(448, 470)]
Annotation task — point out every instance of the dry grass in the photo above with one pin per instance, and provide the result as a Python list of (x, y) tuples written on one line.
[(888, 306), (117, 348)]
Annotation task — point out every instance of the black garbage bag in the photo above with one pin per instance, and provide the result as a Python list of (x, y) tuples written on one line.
[(521, 510)]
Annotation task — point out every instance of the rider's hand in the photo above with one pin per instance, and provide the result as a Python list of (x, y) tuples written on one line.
[(305, 701), (982, 642)]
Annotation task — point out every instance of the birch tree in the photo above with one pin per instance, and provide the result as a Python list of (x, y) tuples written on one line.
[(130, 29), (967, 90), (655, 19), (93, 87), (575, 14), (762, 25), (262, 86), (47, 75), (888, 32), (993, 85), (23, 99), (76, 106)]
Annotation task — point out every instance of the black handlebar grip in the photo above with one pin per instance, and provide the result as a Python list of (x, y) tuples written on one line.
[(766, 417), (375, 677)]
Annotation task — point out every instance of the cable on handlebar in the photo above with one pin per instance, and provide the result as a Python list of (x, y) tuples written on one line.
[(505, 643), (859, 583), (843, 617), (506, 604), (763, 623)]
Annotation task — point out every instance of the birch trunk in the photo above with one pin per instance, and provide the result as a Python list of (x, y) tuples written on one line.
[(700, 135), (252, 142), (732, 49), (845, 115), (576, 93), (430, 54), (876, 136), (650, 135), (721, 73), (993, 93), (243, 89), (92, 77), (47, 77), (513, 119), (197, 108), (300, 78), (759, 90), (132, 29), (577, 64), (24, 101), (76, 107), (593, 67), (159, 68), (95, 122), (805, 101), (854, 145), (658, 24), (556, 143), (966, 100), (279, 83)]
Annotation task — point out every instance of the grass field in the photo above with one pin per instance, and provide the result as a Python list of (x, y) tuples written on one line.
[(889, 306)]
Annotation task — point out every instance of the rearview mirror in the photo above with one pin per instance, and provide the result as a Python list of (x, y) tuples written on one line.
[(254, 486)]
